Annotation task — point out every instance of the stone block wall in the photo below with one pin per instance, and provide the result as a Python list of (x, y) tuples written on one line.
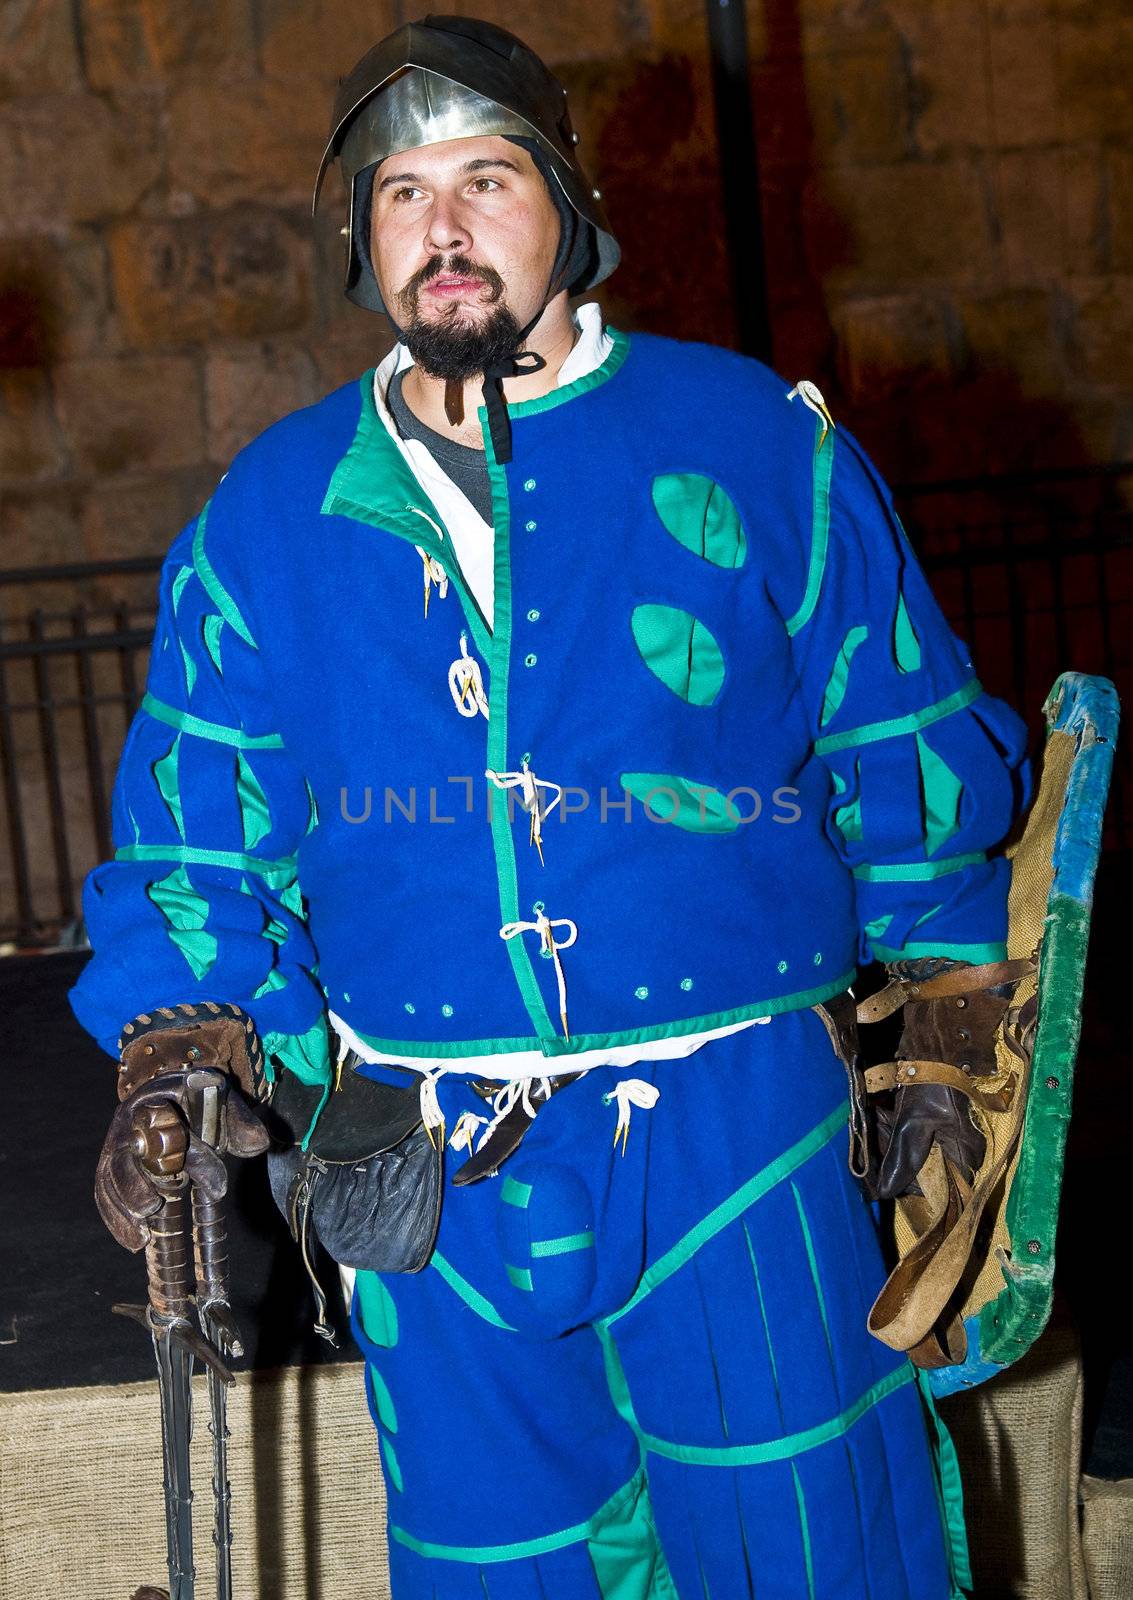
[(946, 186)]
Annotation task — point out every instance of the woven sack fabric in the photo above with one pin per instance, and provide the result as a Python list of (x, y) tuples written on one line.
[(81, 1499), (1019, 1440), (1107, 1537)]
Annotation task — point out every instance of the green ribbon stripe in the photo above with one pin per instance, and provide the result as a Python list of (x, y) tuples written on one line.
[(734, 1206), (486, 1553), (871, 732), (209, 730)]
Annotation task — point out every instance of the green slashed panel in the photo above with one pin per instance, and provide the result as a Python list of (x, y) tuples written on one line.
[(680, 650), (696, 807), (906, 645), (165, 776), (942, 791), (848, 818), (379, 1314), (840, 674), (253, 804), (211, 630), (186, 913), (699, 515), (383, 1401)]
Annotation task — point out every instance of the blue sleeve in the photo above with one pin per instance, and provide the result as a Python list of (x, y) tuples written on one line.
[(202, 900), (927, 771)]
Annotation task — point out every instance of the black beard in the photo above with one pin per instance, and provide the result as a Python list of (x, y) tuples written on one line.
[(450, 347)]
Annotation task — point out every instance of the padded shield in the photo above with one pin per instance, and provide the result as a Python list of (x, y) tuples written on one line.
[(1002, 1299)]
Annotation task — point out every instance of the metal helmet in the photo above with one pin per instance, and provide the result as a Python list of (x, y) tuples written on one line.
[(455, 78)]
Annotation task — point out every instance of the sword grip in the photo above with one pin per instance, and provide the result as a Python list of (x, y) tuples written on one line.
[(167, 1259), (210, 1249)]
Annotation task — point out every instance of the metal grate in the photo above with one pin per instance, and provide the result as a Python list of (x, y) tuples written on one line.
[(1035, 573), (71, 678)]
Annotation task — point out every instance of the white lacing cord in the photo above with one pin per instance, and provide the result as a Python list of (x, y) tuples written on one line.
[(434, 574), (544, 926), (466, 683), (432, 1116), (628, 1093), (464, 1133), (529, 785), (811, 396)]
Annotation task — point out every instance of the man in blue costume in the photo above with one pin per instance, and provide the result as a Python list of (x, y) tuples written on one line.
[(669, 612)]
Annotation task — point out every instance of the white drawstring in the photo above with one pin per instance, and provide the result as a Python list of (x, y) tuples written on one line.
[(628, 1093), (811, 396), (543, 926), (466, 683), (431, 1114), (434, 573), (465, 1131), (529, 785)]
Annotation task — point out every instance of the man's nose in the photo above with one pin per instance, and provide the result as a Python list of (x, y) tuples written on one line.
[(447, 229)]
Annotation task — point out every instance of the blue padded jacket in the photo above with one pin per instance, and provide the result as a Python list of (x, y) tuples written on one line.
[(709, 630)]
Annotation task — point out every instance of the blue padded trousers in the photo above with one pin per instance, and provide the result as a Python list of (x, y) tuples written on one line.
[(643, 1375)]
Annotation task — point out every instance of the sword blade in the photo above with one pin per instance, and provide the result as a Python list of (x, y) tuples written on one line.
[(214, 1327), (174, 1379)]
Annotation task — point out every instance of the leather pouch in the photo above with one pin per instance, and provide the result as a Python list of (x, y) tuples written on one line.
[(369, 1184)]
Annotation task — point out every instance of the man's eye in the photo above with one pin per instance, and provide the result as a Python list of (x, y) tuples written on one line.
[(484, 185), (405, 192)]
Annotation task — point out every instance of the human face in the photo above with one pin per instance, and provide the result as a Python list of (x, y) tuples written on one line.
[(482, 200)]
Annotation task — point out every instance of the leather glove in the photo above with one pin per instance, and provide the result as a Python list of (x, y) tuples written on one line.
[(159, 1051), (960, 1031)]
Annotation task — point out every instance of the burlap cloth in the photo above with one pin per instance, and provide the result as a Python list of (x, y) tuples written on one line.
[(1019, 1440), (81, 1502), (1107, 1537)]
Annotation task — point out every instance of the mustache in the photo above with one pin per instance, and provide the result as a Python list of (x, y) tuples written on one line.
[(455, 265)]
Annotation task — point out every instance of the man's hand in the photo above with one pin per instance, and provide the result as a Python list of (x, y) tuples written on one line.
[(149, 1140)]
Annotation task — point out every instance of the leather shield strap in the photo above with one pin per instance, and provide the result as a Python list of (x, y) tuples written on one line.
[(839, 1018), (956, 981), (914, 1311)]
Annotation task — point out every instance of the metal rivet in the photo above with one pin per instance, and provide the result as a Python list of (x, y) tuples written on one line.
[(446, 1010), (961, 1002), (597, 194), (529, 661), (193, 1053), (965, 1066), (531, 526), (641, 992), (410, 1007), (686, 983), (1052, 1083), (910, 1072), (533, 615), (148, 1051), (529, 485), (1034, 1248), (963, 1033)]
